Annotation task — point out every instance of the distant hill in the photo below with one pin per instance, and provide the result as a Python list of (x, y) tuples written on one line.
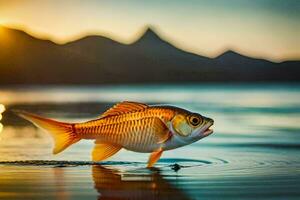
[(99, 60)]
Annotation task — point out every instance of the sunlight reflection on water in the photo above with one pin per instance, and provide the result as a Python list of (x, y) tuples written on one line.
[(2, 108)]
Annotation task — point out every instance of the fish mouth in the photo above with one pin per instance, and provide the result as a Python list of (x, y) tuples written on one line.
[(207, 129), (208, 132)]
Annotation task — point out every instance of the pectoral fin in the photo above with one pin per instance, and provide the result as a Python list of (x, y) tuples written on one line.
[(103, 151), (161, 131), (154, 157)]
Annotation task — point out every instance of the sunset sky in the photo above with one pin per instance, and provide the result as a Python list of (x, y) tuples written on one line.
[(259, 28)]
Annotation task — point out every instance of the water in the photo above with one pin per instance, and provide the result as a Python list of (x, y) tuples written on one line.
[(254, 152)]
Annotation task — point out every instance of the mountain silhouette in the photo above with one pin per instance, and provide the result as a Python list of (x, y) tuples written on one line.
[(25, 59)]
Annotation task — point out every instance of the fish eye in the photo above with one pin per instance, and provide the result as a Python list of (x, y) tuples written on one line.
[(195, 120)]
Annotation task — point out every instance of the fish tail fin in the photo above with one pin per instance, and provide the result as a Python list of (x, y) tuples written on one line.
[(63, 134)]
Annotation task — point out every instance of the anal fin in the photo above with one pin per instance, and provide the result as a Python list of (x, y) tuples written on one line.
[(154, 157), (103, 151)]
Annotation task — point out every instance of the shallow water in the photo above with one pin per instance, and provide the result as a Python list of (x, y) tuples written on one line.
[(253, 154)]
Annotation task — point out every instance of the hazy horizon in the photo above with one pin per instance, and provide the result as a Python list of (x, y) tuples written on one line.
[(259, 28)]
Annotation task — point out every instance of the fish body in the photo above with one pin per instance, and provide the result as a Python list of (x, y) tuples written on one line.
[(130, 125)]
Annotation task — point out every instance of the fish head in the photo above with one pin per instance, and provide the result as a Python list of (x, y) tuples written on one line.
[(191, 127)]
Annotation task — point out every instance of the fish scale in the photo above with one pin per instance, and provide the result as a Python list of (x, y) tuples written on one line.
[(115, 124), (135, 132)]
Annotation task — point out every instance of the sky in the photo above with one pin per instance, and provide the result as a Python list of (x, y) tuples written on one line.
[(267, 29)]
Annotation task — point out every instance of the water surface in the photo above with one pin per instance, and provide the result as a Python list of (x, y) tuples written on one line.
[(253, 154)]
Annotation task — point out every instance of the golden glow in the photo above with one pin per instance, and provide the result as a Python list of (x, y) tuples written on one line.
[(2, 31), (2, 108), (1, 127), (4, 36)]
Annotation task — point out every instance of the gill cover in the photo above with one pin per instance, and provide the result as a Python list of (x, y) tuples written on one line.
[(181, 126)]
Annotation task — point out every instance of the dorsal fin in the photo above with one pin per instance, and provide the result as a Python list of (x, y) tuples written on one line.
[(124, 107)]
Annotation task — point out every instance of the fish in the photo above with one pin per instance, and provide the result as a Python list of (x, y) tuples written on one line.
[(130, 125)]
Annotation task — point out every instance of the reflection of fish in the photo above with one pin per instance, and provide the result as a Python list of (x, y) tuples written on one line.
[(133, 126), (111, 184)]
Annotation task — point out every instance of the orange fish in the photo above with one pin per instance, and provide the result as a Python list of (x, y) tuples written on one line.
[(130, 125)]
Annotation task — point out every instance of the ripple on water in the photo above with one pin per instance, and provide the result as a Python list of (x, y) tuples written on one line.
[(62, 163), (215, 177)]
